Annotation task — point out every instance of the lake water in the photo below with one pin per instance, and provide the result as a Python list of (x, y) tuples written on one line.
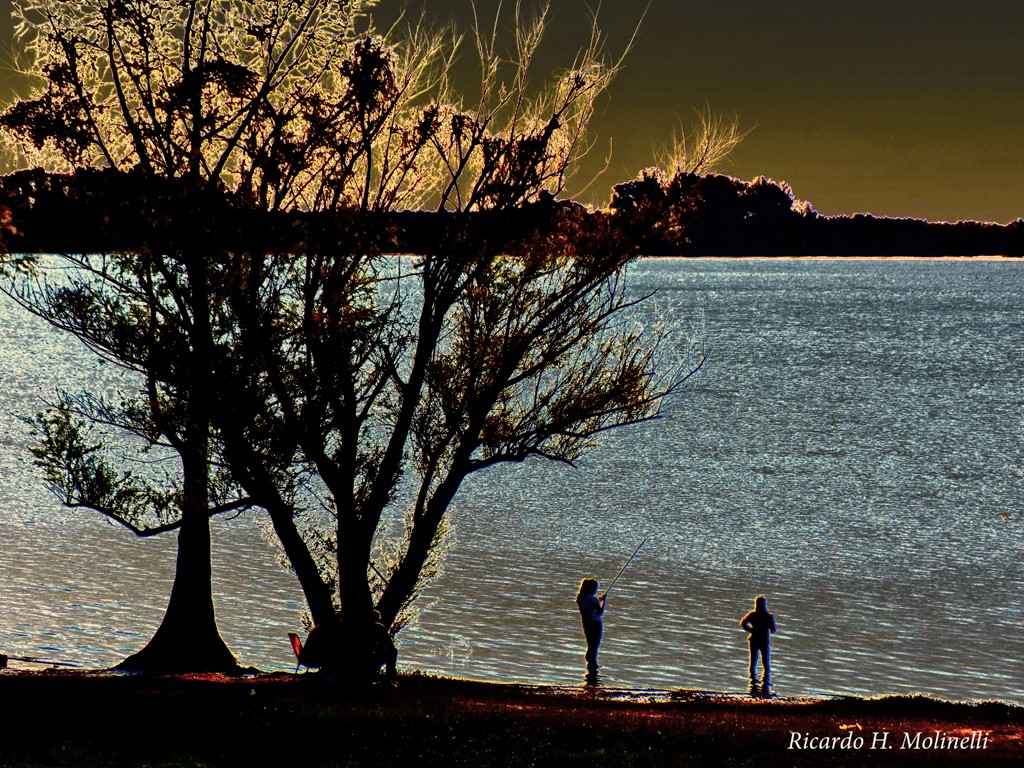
[(854, 451)]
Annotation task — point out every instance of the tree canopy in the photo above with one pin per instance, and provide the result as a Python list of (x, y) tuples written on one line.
[(346, 391)]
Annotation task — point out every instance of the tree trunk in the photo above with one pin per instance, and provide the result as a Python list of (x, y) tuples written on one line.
[(316, 591), (187, 639), (354, 661), (248, 469)]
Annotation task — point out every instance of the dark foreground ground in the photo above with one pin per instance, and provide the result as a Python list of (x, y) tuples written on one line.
[(91, 720)]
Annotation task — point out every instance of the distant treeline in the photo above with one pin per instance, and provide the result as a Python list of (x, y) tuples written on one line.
[(716, 215), (100, 211), (687, 215)]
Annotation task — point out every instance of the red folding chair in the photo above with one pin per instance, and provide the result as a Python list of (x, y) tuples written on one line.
[(293, 638)]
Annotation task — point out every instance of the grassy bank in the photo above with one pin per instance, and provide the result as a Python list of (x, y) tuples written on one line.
[(94, 720)]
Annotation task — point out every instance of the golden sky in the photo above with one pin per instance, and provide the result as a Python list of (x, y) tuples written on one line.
[(902, 107)]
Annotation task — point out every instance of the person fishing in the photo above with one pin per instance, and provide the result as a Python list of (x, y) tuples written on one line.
[(760, 626), (592, 616), (592, 612)]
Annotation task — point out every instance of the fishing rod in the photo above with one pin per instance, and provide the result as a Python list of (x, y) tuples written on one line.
[(33, 660), (622, 570)]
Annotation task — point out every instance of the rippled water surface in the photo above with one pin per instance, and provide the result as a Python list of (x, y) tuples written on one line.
[(854, 451)]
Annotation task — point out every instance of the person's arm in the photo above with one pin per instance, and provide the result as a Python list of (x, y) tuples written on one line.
[(773, 624), (600, 602), (745, 624)]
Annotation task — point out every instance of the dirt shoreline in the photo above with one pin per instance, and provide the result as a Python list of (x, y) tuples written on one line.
[(63, 718)]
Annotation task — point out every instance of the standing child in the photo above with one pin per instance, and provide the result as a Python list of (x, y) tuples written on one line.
[(592, 615), (761, 626)]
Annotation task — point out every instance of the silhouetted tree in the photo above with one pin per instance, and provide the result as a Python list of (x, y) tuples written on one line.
[(399, 377), (179, 93), (347, 392), (701, 149)]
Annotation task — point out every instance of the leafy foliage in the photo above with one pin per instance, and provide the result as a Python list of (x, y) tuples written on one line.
[(347, 392)]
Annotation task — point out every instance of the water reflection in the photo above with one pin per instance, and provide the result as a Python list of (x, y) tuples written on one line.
[(854, 451)]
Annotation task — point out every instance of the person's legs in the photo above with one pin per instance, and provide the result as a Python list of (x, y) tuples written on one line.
[(766, 663), (753, 663), (592, 631)]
